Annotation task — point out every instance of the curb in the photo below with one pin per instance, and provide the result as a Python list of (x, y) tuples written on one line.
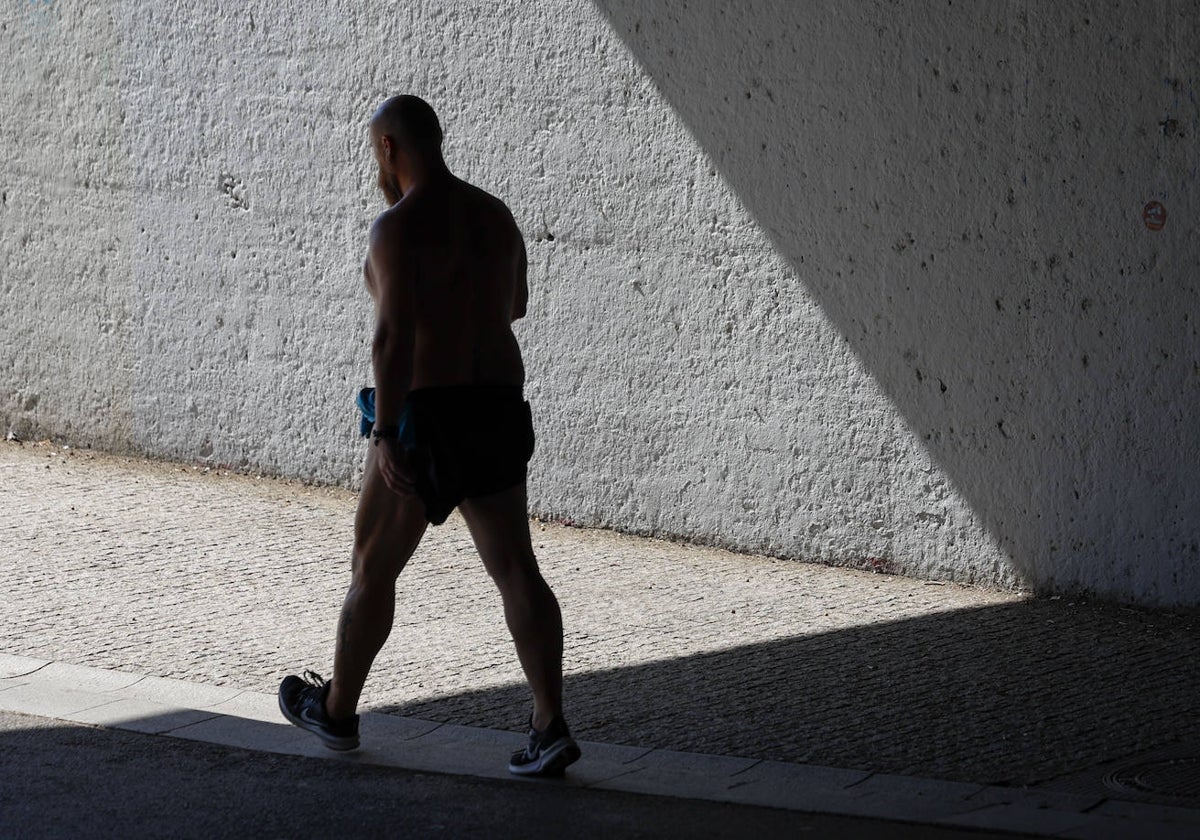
[(249, 720)]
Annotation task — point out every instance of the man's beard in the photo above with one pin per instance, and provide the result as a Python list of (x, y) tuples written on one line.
[(390, 188)]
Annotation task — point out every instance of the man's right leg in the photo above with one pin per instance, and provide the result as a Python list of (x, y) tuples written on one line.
[(500, 530), (499, 525), (387, 529)]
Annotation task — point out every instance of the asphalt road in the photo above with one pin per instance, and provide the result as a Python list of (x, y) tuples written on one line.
[(59, 780)]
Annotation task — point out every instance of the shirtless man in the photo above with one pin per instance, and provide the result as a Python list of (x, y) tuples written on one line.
[(446, 268)]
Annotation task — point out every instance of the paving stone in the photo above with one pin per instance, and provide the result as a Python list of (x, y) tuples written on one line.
[(1020, 818), (783, 790), (613, 753), (805, 776), (448, 756), (666, 781), (250, 705), (1150, 812), (454, 736), (137, 715), (392, 727), (367, 755), (661, 771), (246, 733), (1036, 799), (899, 807), (178, 693), (19, 666), (884, 784), (83, 678), (709, 765), (48, 701), (440, 758), (594, 771)]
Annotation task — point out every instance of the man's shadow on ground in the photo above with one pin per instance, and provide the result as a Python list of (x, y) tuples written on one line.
[(1011, 694)]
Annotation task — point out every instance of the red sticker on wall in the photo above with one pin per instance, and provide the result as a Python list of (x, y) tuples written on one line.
[(1154, 215)]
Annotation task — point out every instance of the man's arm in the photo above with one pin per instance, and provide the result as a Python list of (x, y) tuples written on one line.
[(392, 271), (521, 292)]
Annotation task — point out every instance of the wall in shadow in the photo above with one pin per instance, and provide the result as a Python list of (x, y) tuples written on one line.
[(960, 188), (1013, 694)]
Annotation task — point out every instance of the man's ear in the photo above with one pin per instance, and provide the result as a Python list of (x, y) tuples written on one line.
[(388, 147)]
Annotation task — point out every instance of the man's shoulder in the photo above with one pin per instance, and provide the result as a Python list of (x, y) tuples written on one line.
[(485, 199), (394, 217), (391, 227), (388, 242)]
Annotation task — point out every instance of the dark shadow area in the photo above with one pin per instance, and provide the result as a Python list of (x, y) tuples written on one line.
[(961, 189), (64, 781), (1007, 695)]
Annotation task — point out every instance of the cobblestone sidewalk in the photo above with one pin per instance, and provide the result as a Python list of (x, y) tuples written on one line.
[(182, 572)]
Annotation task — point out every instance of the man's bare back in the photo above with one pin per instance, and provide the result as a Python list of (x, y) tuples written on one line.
[(468, 278)]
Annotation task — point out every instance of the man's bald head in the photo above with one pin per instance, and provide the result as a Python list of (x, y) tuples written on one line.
[(411, 123)]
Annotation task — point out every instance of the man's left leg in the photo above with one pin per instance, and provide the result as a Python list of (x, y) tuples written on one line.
[(387, 529)]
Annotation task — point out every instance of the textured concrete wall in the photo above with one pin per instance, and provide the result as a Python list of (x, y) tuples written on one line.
[(65, 255), (867, 286)]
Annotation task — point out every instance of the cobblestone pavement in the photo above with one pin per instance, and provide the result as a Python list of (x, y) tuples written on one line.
[(179, 571)]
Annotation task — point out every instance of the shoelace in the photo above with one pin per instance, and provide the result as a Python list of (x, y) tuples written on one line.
[(314, 679)]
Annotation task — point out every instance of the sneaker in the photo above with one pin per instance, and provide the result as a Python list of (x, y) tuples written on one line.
[(549, 752), (302, 701)]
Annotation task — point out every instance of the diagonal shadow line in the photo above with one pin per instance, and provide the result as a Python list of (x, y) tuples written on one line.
[(1011, 694), (908, 165)]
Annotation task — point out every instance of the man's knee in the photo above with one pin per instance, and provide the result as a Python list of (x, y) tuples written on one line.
[(522, 587), (373, 566), (513, 569)]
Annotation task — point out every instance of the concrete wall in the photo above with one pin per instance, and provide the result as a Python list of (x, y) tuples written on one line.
[(862, 283)]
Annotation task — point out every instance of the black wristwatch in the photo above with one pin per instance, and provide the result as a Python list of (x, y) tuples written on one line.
[(384, 433)]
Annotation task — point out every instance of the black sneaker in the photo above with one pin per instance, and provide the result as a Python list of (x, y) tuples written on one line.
[(302, 701), (549, 752)]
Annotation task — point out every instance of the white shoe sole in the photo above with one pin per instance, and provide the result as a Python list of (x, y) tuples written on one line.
[(333, 742), (552, 762)]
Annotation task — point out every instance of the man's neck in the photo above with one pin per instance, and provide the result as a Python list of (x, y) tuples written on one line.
[(430, 172)]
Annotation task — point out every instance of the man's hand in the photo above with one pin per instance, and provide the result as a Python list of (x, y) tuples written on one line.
[(396, 467)]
